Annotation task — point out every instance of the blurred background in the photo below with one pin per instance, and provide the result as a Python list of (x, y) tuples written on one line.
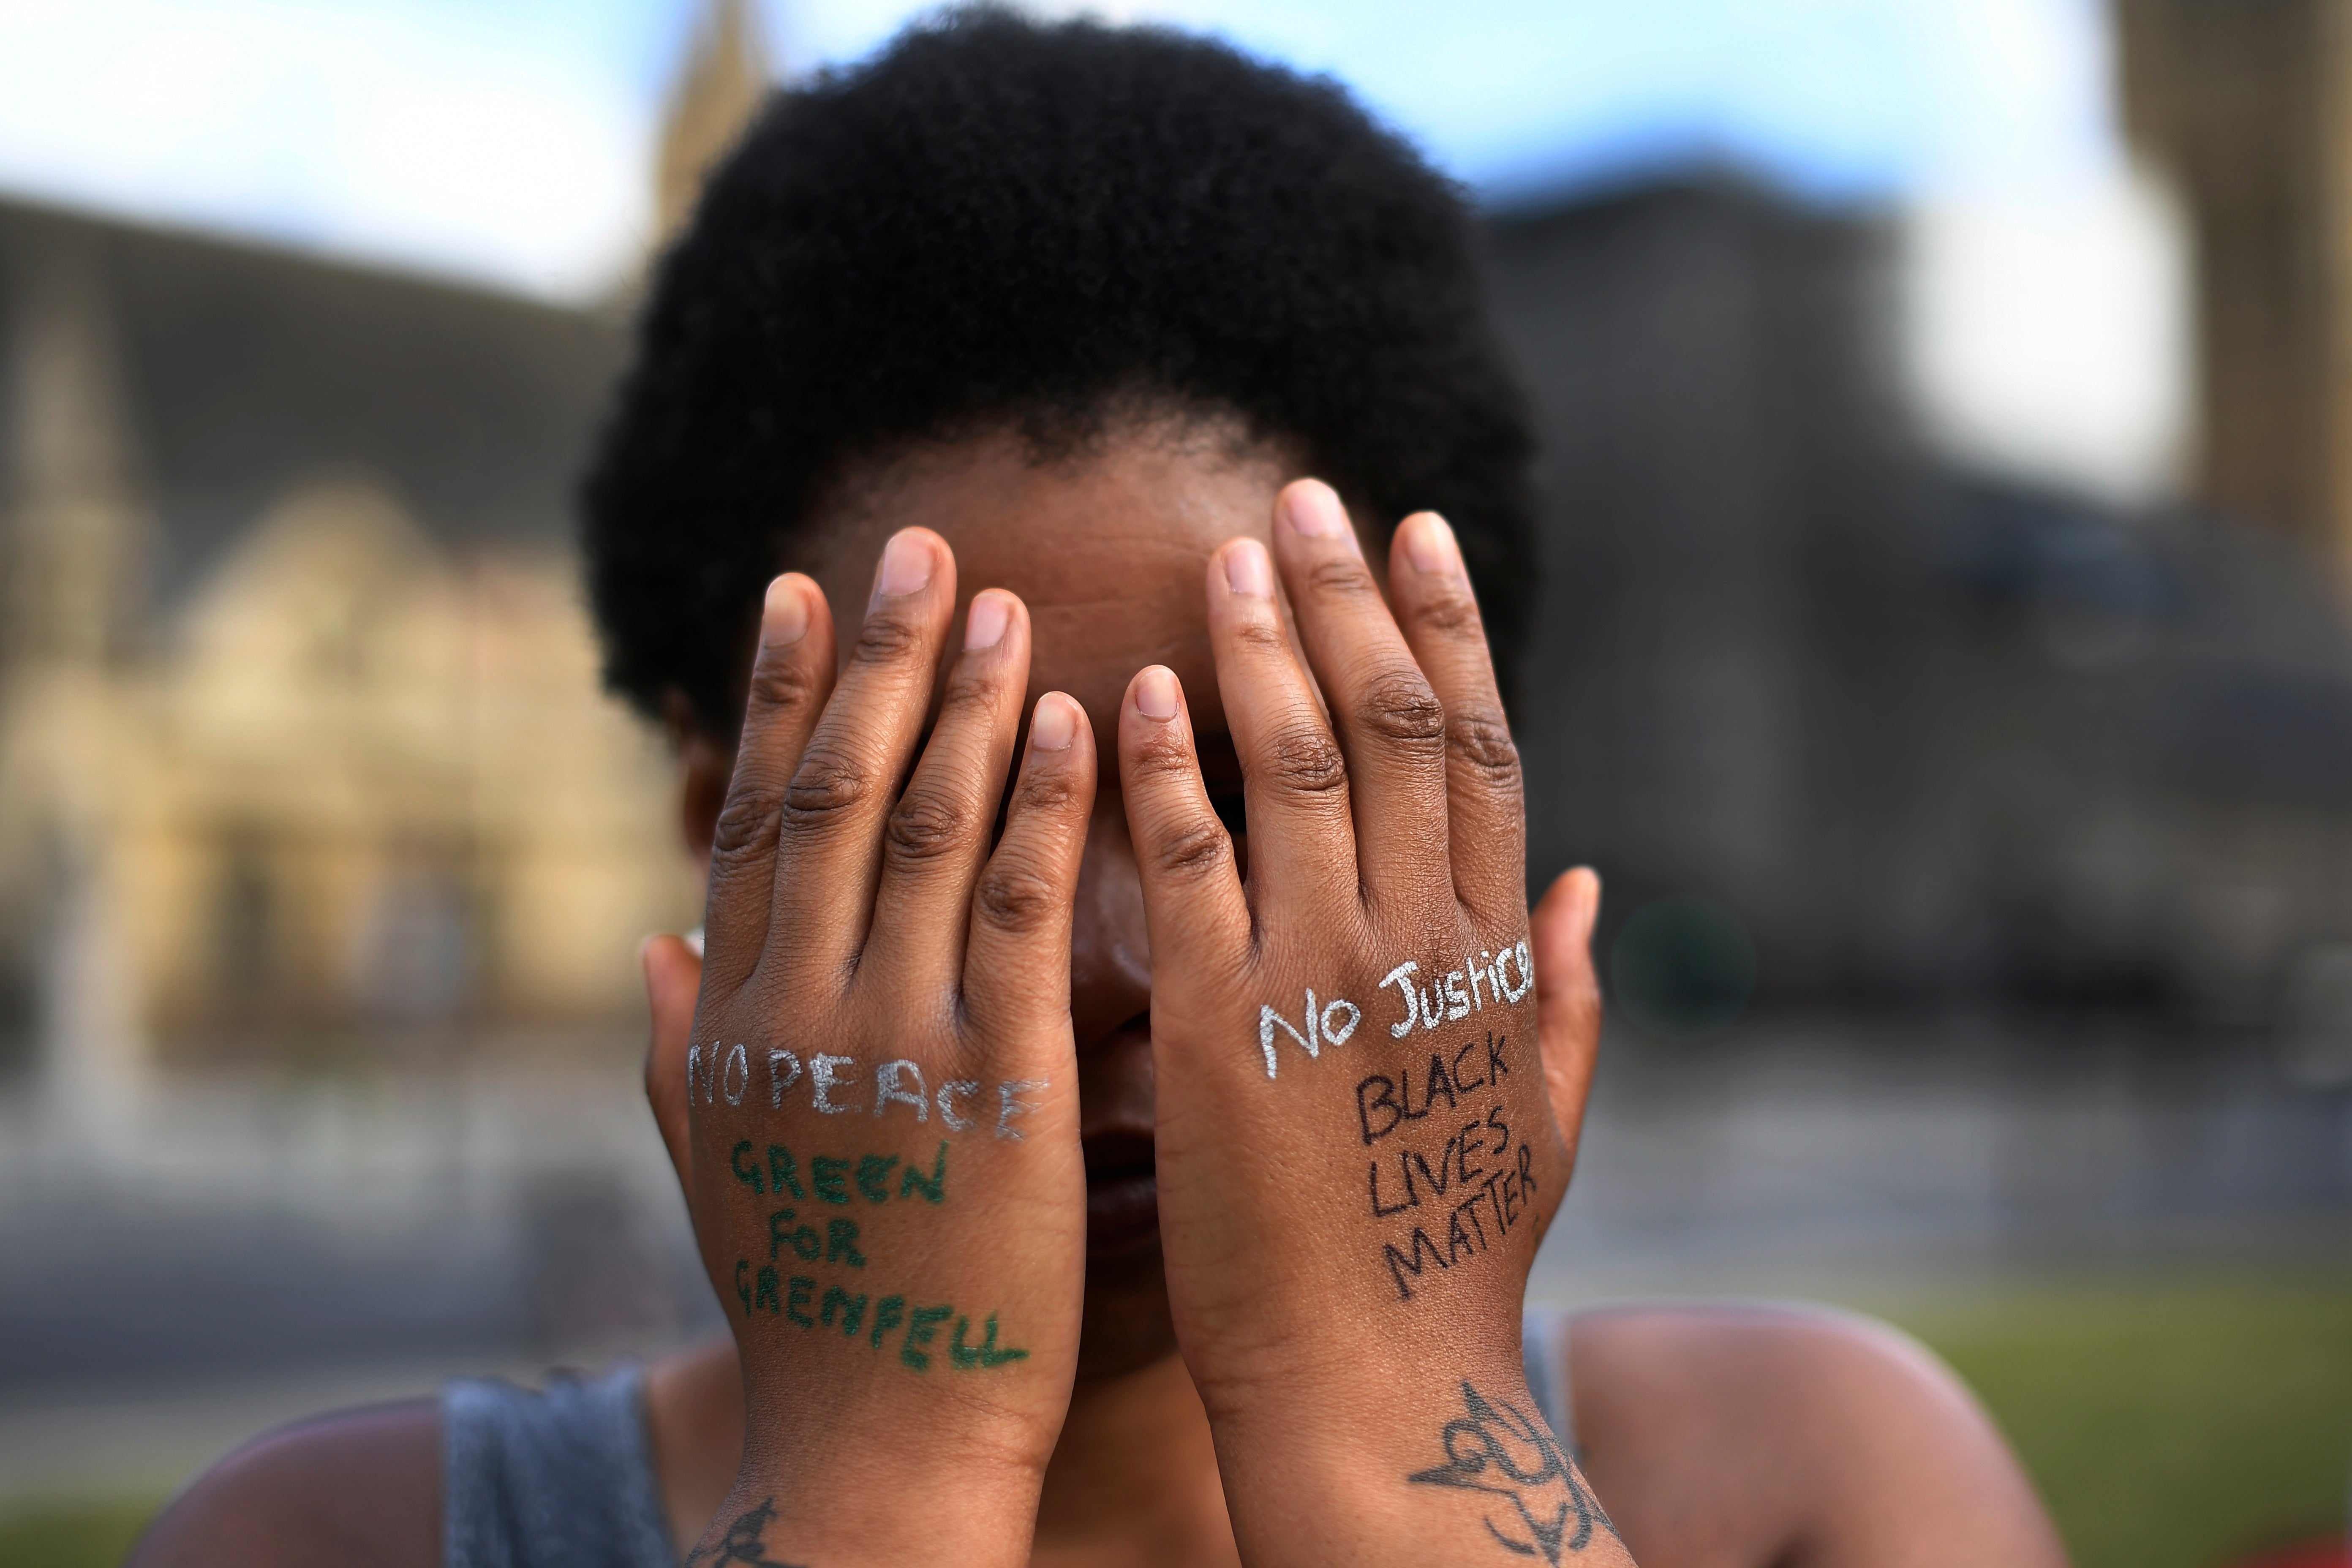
[(1946, 660)]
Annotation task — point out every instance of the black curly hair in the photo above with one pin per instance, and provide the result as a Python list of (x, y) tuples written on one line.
[(999, 222)]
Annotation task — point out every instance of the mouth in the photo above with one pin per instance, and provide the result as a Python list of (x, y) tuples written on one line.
[(1122, 1191)]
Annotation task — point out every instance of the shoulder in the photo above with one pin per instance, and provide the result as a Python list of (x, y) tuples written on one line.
[(359, 1487), (1786, 1356), (1814, 1435)]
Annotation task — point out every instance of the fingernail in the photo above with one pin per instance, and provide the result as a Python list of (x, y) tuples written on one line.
[(1155, 692), (783, 618), (1055, 723), (1248, 570), (984, 624), (1430, 546), (1311, 508), (906, 566)]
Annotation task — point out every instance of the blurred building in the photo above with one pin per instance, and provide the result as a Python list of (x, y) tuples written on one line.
[(1918, 735), (725, 73), (302, 758), (2247, 110), (303, 754)]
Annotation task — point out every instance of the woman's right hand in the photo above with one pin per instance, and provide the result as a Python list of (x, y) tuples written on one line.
[(874, 1113)]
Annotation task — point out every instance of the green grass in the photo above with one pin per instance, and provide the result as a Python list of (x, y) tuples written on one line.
[(87, 1533), (2175, 1426), (2170, 1424)]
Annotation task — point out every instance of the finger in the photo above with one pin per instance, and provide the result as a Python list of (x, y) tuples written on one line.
[(937, 835), (1485, 806), (829, 841), (791, 675), (1193, 910), (1567, 1006), (1293, 778), (1016, 964), (1390, 725), (673, 977)]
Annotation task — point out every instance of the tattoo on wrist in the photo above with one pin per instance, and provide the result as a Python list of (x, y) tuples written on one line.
[(745, 1544), (1506, 1453)]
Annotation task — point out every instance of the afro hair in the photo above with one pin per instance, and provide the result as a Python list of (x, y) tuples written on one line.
[(999, 222)]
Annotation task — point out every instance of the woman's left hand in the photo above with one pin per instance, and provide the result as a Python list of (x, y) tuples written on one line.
[(1360, 1141)]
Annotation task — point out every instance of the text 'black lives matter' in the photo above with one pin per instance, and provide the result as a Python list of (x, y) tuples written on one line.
[(1458, 1196)]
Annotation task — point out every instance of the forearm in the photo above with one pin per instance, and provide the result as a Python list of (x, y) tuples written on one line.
[(872, 1503), (1449, 1461)]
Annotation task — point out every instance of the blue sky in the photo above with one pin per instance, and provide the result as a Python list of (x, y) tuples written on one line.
[(508, 141), (1839, 98)]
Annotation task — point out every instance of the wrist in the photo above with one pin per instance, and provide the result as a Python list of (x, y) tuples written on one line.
[(898, 1468), (1401, 1465), (899, 1501)]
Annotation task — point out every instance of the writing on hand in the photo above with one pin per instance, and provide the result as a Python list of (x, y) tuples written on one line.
[(1445, 1000)]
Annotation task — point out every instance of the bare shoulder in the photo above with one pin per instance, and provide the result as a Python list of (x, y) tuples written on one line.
[(1767, 1360), (361, 1487), (1734, 1433)]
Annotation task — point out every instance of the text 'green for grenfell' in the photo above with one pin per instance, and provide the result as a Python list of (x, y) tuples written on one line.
[(796, 1299), (841, 1181), (837, 1179)]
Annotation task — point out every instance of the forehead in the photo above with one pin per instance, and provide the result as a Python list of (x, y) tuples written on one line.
[(1108, 546)]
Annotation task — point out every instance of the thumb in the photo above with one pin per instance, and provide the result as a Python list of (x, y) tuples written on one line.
[(1568, 998), (673, 982)]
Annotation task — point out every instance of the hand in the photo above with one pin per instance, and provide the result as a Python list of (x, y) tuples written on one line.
[(874, 1113), (1358, 1147)]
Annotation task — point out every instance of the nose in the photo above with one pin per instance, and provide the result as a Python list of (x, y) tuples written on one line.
[(1111, 949)]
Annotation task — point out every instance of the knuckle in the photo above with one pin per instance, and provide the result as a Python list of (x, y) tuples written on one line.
[(922, 829), (781, 683), (1341, 578), (747, 822), (1263, 638), (1483, 741), (887, 639), (1399, 707), (1015, 896), (1302, 760), (1161, 756), (826, 785), (1194, 849), (1047, 792), (1451, 613), (967, 694)]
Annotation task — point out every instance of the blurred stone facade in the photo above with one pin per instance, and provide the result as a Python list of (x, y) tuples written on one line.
[(725, 76), (303, 752), (304, 758), (2247, 110)]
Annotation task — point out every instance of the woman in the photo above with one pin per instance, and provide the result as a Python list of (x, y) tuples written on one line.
[(1122, 1091)]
